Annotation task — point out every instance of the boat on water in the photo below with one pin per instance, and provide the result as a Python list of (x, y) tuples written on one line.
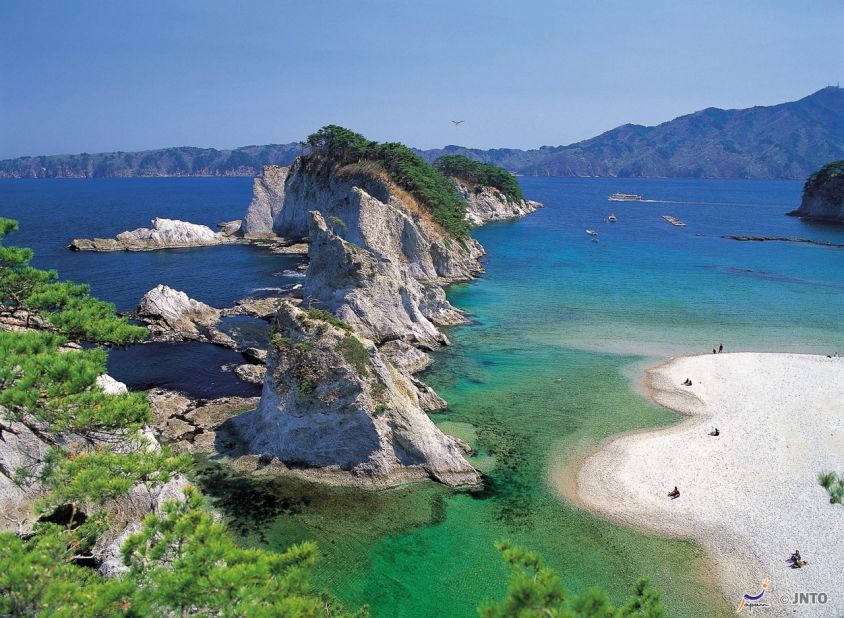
[(674, 220), (592, 232), (612, 218), (625, 197)]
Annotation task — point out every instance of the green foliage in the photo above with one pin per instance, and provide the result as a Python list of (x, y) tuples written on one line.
[(186, 563), (38, 578), (58, 388), (475, 172), (338, 222), (834, 485), (180, 563), (817, 179), (356, 355), (381, 408), (67, 306), (404, 167), (279, 341), (306, 387), (327, 316), (378, 389), (99, 475), (535, 591), (304, 346)]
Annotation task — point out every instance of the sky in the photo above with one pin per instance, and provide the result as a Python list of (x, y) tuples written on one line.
[(94, 76)]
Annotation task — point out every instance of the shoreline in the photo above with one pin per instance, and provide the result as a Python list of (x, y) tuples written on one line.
[(748, 506)]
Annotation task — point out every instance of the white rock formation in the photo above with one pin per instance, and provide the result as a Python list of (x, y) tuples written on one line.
[(164, 234), (172, 315), (378, 261), (110, 386), (333, 405), (486, 204), (267, 201)]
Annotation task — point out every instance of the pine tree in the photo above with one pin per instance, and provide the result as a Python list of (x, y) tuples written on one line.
[(535, 591)]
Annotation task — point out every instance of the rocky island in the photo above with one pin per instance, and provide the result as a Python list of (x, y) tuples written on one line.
[(386, 232), (164, 234), (823, 194)]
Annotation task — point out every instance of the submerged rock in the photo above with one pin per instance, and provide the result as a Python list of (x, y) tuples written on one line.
[(164, 234), (254, 374), (332, 408)]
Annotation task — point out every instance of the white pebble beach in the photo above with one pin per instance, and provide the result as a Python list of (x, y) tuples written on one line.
[(751, 495)]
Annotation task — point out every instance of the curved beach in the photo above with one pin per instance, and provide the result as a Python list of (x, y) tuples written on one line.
[(749, 496)]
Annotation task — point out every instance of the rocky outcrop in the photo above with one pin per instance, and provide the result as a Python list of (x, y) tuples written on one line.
[(191, 426), (823, 194), (376, 258), (253, 374), (333, 408), (171, 315), (378, 297), (405, 356), (267, 202), (486, 204), (164, 234), (377, 261)]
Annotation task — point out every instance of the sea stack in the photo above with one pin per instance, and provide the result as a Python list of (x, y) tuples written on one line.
[(823, 194), (339, 400)]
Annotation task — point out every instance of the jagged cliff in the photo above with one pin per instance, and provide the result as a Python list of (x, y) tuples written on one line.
[(823, 194), (486, 204), (378, 261), (334, 408)]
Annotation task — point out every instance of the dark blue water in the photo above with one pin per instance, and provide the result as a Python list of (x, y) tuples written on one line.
[(52, 212)]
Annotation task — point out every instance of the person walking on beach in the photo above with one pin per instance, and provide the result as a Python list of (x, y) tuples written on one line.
[(720, 348)]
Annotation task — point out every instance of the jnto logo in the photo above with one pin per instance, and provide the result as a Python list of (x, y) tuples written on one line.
[(752, 600)]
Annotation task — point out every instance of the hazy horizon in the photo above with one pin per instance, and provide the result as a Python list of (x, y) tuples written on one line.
[(103, 77)]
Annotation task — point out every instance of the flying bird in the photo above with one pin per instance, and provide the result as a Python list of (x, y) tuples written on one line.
[(457, 122)]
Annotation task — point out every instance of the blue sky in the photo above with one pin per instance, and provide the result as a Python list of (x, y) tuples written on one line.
[(103, 75)]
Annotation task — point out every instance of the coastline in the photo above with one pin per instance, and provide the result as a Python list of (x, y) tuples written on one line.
[(750, 496)]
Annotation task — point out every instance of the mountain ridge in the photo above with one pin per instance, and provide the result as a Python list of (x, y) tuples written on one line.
[(786, 140)]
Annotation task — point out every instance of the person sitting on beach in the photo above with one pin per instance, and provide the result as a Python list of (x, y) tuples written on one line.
[(715, 432), (674, 493)]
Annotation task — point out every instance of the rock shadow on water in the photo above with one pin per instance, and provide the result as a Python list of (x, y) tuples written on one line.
[(194, 368)]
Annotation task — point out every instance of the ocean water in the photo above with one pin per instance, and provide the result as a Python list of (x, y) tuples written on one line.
[(561, 328)]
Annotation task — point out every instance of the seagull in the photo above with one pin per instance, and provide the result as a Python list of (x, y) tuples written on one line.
[(457, 122)]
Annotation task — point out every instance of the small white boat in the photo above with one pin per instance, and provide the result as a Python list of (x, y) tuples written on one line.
[(612, 218), (592, 232)]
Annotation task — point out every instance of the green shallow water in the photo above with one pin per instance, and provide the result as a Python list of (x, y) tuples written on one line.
[(549, 366)]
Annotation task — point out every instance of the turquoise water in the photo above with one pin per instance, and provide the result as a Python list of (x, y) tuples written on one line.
[(560, 329)]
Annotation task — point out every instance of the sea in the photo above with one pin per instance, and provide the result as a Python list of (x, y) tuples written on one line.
[(561, 329)]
